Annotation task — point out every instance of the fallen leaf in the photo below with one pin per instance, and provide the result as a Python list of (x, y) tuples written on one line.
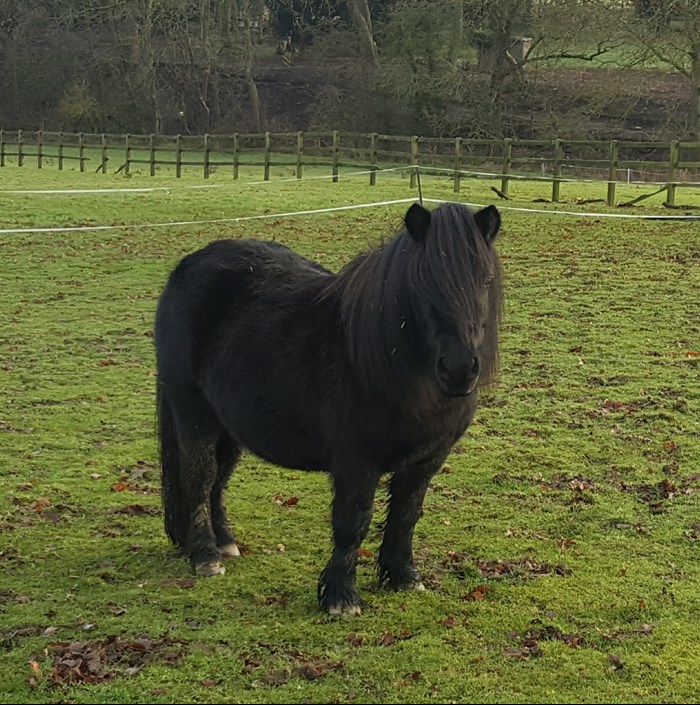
[(40, 504), (615, 663), (478, 593)]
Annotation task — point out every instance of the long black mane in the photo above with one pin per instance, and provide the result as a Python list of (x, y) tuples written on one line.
[(381, 291)]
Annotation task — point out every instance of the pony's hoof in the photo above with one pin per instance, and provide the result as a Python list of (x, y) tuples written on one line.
[(206, 570), (230, 550), (341, 609)]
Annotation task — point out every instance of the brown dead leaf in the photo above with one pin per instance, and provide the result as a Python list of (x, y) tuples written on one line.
[(356, 639), (520, 567), (40, 504), (477, 594), (309, 671), (389, 638), (615, 663)]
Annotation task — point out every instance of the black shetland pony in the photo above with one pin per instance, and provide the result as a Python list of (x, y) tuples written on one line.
[(371, 370)]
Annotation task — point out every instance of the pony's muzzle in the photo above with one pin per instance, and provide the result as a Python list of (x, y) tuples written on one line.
[(458, 379)]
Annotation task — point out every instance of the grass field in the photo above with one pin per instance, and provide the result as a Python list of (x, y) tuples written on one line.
[(560, 544)]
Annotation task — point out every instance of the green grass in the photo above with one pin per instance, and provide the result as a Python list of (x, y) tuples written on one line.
[(560, 543)]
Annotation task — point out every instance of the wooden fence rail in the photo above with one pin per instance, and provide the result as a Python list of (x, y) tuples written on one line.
[(504, 160)]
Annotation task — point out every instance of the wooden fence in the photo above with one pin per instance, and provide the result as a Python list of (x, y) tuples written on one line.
[(501, 160)]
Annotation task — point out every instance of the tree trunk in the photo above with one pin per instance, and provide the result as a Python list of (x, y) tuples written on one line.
[(695, 98), (250, 79), (456, 30), (361, 18)]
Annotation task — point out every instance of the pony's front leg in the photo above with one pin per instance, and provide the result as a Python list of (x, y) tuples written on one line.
[(407, 492), (352, 512)]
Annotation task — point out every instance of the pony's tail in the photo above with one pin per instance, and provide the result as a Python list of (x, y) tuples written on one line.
[(174, 501)]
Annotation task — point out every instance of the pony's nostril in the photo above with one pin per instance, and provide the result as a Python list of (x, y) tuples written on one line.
[(476, 367)]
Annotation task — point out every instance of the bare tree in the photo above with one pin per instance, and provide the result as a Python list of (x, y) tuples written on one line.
[(668, 31)]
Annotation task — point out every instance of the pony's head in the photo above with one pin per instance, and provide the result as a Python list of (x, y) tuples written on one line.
[(454, 283), (420, 314)]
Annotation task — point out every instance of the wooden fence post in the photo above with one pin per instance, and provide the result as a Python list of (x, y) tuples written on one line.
[(300, 151), (178, 156), (2, 147), (81, 150), (152, 154), (268, 148), (39, 148), (104, 156), (127, 154), (507, 161), (206, 156), (673, 154), (60, 151), (20, 151), (612, 173), (373, 157), (414, 160), (556, 171), (236, 152), (335, 156), (458, 164)]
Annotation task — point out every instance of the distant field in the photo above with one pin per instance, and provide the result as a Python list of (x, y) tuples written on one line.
[(560, 544)]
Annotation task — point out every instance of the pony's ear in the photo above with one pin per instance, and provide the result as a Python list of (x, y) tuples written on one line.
[(489, 222), (417, 221)]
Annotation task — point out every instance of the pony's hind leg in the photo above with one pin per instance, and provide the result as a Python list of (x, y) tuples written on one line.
[(189, 499), (407, 492), (197, 480), (227, 455)]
